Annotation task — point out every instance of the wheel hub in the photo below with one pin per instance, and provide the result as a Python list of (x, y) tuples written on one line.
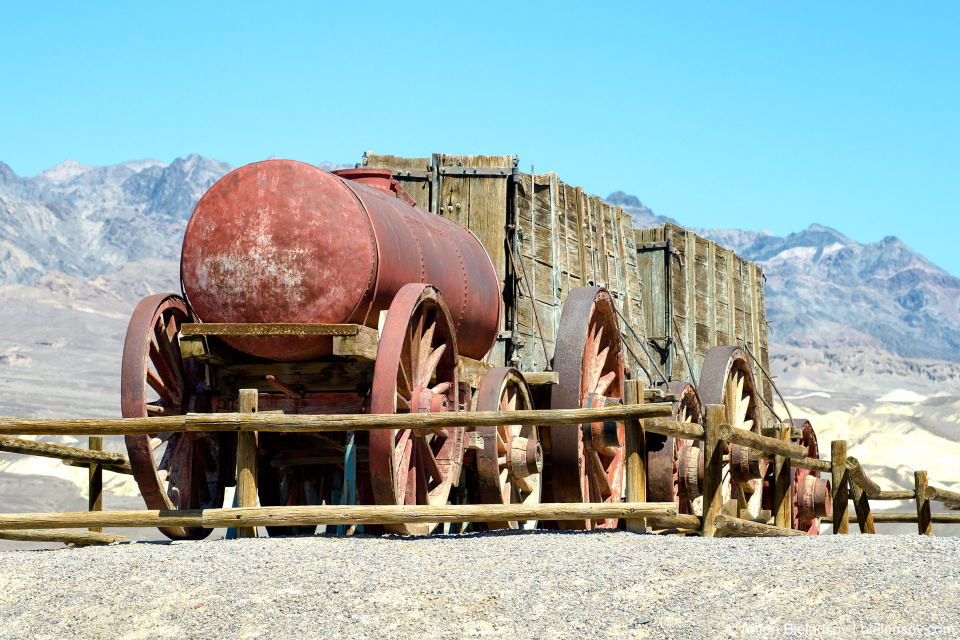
[(744, 464), (690, 476), (426, 401), (815, 502), (526, 457)]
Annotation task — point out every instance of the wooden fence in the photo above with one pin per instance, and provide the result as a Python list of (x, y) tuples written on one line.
[(850, 482)]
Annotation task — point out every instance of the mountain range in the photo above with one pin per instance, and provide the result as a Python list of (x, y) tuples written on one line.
[(825, 290)]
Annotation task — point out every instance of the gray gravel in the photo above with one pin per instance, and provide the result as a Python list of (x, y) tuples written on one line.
[(533, 585)]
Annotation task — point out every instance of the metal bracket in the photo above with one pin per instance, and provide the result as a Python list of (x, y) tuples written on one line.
[(481, 172)]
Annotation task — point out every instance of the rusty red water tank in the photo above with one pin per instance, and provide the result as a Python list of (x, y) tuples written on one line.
[(284, 241)]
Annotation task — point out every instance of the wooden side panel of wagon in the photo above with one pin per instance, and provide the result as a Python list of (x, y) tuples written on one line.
[(559, 236), (697, 295)]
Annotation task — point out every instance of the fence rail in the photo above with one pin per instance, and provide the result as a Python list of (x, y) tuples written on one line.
[(850, 481)]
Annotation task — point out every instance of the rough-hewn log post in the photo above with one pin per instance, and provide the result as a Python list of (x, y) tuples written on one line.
[(924, 526), (247, 462), (636, 455), (66, 536), (730, 526), (841, 496), (782, 493), (715, 414), (95, 480), (862, 505)]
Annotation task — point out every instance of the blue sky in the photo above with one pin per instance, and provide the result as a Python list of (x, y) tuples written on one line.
[(747, 115)]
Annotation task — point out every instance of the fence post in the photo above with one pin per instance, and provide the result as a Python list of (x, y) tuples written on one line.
[(247, 462), (95, 480), (715, 415), (635, 444), (838, 472), (862, 505), (782, 493), (924, 525)]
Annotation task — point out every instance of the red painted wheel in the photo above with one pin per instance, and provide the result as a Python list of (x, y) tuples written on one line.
[(675, 466), (726, 378), (415, 372), (811, 494), (587, 464), (509, 465), (173, 470)]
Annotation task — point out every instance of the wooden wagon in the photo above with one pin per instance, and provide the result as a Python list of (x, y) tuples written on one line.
[(589, 303)]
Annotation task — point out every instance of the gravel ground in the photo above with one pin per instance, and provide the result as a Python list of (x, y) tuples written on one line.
[(532, 585)]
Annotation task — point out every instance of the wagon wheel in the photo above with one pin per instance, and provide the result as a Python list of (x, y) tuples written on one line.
[(173, 470), (587, 464), (509, 465), (811, 495), (674, 466), (726, 378), (415, 372)]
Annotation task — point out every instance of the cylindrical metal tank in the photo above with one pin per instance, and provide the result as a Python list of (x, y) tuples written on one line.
[(284, 241)]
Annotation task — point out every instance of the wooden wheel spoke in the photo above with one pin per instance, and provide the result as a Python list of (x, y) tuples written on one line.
[(404, 384), (167, 345), (600, 475), (403, 403), (429, 460), (170, 379), (404, 466), (742, 409), (605, 381), (511, 399), (430, 364), (165, 394), (157, 410), (401, 439), (420, 479), (424, 341), (599, 360)]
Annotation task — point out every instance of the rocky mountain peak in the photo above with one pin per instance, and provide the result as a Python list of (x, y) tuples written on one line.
[(86, 220), (66, 170)]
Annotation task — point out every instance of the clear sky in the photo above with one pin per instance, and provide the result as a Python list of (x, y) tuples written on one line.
[(766, 115)]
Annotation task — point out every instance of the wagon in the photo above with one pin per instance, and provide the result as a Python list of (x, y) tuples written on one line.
[(450, 283)]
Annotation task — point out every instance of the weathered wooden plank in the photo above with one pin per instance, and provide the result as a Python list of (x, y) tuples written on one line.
[(95, 481), (48, 450), (335, 514), (862, 506), (411, 173), (635, 455), (714, 415), (730, 526), (838, 458), (259, 329), (923, 503), (326, 423), (247, 462), (477, 202), (67, 536)]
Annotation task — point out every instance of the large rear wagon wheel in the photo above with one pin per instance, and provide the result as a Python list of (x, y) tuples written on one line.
[(173, 470), (587, 464), (415, 372)]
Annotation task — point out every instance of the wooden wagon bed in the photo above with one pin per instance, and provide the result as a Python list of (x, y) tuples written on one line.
[(545, 237)]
